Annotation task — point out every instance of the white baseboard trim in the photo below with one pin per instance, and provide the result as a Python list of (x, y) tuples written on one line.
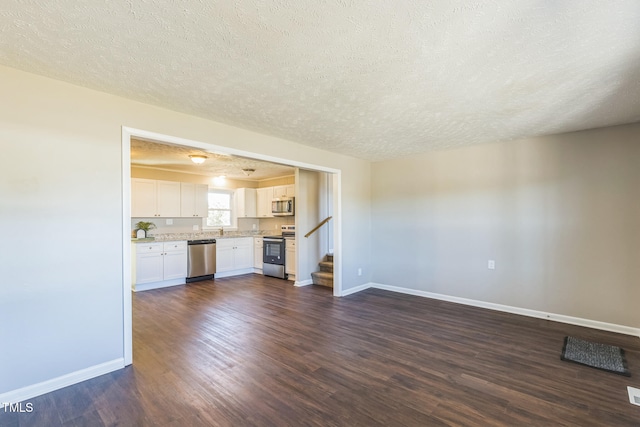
[(301, 283), (357, 289), (31, 391), (588, 323), (233, 273), (157, 285)]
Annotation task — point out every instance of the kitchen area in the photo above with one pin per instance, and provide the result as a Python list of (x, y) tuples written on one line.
[(191, 223)]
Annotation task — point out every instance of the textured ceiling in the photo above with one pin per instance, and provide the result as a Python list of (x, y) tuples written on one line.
[(374, 80), (176, 158)]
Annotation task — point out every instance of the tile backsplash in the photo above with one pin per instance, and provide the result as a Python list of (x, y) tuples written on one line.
[(185, 225)]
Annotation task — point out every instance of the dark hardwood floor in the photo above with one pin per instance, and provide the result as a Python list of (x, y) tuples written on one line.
[(255, 351)]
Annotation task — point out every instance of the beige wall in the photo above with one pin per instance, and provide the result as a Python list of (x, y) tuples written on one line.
[(61, 203), (307, 217), (560, 216), (285, 180), (150, 173)]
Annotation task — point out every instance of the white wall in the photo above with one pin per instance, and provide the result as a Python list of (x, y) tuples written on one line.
[(307, 217), (61, 219), (560, 215)]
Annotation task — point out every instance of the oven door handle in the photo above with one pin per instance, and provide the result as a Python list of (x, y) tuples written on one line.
[(272, 240)]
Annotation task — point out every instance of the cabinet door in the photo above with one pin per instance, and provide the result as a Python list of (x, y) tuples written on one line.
[(243, 256), (168, 199), (264, 198), (202, 201), (175, 265), (143, 198), (224, 255), (290, 257), (187, 199), (284, 191), (246, 202), (279, 191), (290, 190), (149, 267), (257, 252)]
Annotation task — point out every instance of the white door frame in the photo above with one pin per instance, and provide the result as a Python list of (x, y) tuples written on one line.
[(127, 133)]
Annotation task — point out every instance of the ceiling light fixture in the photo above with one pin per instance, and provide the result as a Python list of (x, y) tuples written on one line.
[(198, 159), (248, 171), (219, 180)]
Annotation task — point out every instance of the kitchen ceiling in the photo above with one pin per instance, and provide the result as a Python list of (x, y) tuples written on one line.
[(176, 158), (374, 80)]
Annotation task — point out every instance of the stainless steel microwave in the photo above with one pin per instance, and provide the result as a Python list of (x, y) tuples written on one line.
[(283, 206)]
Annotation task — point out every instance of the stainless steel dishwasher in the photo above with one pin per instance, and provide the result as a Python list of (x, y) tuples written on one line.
[(201, 264)]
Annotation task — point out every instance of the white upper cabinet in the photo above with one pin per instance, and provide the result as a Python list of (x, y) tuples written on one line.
[(193, 201), (263, 202), (143, 197), (168, 198), (155, 198), (246, 202), (284, 191)]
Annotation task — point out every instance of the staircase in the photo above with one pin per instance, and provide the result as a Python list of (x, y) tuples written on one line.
[(324, 277)]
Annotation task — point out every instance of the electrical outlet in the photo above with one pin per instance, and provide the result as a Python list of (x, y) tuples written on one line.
[(255, 226), (195, 227), (359, 272), (491, 265), (169, 221), (634, 395)]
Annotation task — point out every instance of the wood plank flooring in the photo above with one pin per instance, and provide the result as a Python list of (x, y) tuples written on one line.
[(255, 351)]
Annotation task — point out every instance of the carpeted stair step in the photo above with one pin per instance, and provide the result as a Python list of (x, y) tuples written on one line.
[(326, 266), (329, 257), (322, 278)]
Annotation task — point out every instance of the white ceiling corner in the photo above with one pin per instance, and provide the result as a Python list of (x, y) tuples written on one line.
[(374, 80)]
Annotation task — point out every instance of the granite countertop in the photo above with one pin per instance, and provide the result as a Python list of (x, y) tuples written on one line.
[(145, 240), (166, 237)]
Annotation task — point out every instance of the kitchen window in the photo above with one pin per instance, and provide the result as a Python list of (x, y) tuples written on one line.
[(220, 208)]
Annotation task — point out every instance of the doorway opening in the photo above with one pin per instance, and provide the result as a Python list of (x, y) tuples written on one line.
[(332, 184)]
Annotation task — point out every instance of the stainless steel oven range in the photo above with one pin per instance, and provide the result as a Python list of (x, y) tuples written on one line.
[(273, 253), (273, 250)]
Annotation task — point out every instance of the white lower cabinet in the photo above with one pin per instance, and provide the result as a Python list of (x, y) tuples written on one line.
[(290, 258), (159, 264), (257, 252), (234, 256)]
